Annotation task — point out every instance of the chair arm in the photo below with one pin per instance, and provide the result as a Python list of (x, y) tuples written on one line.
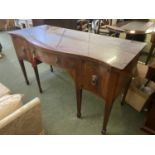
[(24, 121), (115, 29)]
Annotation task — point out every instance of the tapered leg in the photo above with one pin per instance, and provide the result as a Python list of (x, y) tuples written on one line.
[(37, 77), (0, 47), (21, 62), (126, 90), (51, 68), (107, 110), (78, 98)]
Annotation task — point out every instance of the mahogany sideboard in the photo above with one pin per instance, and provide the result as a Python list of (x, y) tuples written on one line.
[(100, 64)]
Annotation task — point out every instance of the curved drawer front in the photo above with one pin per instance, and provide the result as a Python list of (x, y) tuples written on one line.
[(69, 62), (22, 49), (62, 60), (47, 57), (94, 77)]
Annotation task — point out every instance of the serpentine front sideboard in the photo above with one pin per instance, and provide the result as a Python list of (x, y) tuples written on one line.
[(100, 64)]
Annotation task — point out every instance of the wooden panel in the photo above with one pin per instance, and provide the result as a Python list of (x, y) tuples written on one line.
[(6, 24), (150, 120), (22, 49)]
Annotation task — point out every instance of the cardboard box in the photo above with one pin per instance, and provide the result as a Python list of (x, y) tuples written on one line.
[(141, 70), (136, 98), (137, 94)]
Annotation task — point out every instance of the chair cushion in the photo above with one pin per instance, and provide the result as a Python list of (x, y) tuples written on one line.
[(9, 103), (3, 90)]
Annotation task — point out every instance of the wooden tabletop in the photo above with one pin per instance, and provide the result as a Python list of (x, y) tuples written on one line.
[(115, 52)]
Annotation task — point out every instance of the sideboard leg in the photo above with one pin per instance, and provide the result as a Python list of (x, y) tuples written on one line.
[(51, 68), (126, 90), (37, 77), (107, 110), (21, 62), (78, 98)]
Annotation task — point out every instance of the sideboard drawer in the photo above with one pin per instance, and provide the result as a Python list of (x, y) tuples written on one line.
[(69, 62), (47, 57), (91, 77), (95, 77), (22, 49)]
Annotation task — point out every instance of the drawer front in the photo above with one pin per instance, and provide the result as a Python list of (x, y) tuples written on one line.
[(47, 57), (94, 77), (91, 77), (22, 49), (69, 62), (61, 60)]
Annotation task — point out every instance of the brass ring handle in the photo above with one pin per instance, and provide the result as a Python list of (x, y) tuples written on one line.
[(23, 49), (94, 79)]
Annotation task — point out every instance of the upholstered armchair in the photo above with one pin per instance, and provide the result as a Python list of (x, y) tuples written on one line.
[(16, 118), (26, 120)]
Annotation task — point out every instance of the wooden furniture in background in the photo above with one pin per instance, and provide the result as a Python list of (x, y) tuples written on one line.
[(149, 125), (82, 25), (6, 24), (100, 64), (101, 26), (150, 75), (134, 30), (75, 24), (66, 23), (150, 121), (152, 48)]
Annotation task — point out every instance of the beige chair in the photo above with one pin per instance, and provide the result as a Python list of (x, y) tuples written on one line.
[(24, 121), (4, 90), (18, 119)]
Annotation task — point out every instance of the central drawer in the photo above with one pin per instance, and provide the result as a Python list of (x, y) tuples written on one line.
[(47, 57)]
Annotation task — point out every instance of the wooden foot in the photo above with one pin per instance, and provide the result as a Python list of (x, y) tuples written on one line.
[(107, 111), (51, 68), (78, 115), (103, 132)]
